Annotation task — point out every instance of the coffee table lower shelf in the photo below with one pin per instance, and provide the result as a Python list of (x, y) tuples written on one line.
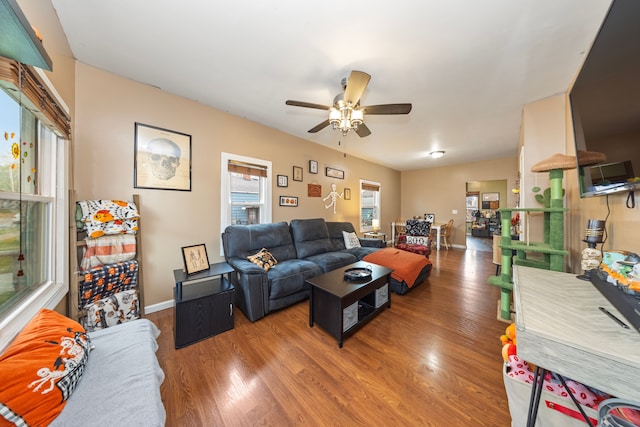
[(342, 307)]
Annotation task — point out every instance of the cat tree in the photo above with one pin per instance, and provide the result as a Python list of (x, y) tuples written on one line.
[(548, 254)]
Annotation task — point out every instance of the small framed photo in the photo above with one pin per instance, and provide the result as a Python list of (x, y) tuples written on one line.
[(297, 173), (283, 181), (334, 173), (195, 258), (430, 218), (313, 166), (290, 201), (347, 194)]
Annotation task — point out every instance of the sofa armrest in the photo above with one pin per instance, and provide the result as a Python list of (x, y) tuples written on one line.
[(372, 243), (245, 266), (252, 288)]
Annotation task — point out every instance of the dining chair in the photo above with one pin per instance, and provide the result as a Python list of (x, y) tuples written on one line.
[(446, 233)]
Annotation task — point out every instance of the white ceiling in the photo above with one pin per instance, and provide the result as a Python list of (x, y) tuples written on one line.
[(467, 66)]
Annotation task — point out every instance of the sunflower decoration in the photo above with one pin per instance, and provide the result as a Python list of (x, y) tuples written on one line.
[(15, 150)]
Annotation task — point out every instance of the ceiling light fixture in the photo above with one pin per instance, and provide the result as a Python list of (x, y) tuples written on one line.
[(436, 154), (345, 117)]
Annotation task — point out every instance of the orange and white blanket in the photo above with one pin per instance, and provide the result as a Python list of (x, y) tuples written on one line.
[(108, 250), (406, 265), (108, 217)]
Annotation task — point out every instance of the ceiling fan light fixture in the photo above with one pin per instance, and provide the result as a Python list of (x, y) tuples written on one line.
[(346, 113), (334, 117), (357, 118), (436, 154)]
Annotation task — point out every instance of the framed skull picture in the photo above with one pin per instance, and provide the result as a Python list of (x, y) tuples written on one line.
[(162, 159)]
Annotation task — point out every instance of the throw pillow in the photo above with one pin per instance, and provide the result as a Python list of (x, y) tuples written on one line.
[(264, 259), (41, 368), (115, 309), (350, 240), (418, 240)]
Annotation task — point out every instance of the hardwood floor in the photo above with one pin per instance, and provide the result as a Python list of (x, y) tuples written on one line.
[(433, 359)]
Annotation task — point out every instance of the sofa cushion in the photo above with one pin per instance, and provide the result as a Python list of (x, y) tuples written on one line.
[(241, 241), (361, 252), (41, 368), (288, 277), (310, 237), (336, 235), (331, 260)]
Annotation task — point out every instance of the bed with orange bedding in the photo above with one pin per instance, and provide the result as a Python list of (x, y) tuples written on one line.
[(409, 269)]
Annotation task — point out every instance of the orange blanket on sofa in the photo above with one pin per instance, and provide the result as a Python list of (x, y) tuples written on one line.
[(406, 265)]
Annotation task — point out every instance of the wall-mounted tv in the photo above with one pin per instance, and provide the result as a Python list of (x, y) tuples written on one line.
[(605, 104)]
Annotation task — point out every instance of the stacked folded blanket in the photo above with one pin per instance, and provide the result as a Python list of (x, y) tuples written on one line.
[(108, 217)]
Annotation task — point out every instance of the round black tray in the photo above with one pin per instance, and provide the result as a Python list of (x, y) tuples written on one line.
[(357, 273)]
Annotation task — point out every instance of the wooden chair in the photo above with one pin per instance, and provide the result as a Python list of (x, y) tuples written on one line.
[(446, 233), (400, 229)]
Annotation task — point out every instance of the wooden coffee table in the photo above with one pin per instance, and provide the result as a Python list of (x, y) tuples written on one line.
[(340, 306)]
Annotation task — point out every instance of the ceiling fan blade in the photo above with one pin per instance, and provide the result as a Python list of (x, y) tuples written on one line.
[(363, 131), (307, 105), (387, 109), (319, 127), (357, 83)]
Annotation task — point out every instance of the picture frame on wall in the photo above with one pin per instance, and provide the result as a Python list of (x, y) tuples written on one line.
[(313, 166), (297, 173), (290, 201), (283, 181), (490, 197), (195, 258), (334, 173), (162, 158)]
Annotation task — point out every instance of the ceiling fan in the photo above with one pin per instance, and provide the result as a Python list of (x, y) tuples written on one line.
[(346, 113)]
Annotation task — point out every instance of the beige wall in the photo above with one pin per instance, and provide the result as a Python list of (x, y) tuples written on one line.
[(547, 129), (543, 132), (443, 190), (107, 108)]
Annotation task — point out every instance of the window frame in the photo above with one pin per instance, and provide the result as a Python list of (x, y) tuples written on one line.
[(377, 204), (266, 210), (51, 112), (54, 290)]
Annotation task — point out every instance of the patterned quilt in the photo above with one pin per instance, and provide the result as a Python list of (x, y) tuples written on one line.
[(108, 280), (101, 217)]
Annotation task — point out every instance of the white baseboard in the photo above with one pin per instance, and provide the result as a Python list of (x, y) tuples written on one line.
[(157, 307)]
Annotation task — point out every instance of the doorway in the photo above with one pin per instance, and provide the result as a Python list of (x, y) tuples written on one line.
[(483, 199)]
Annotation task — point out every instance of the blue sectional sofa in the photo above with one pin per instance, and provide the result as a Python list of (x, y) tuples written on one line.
[(303, 249)]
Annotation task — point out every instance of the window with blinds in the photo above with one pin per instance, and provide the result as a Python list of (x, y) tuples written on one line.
[(34, 125), (369, 204), (246, 190)]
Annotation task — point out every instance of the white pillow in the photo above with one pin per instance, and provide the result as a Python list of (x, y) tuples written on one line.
[(418, 240), (350, 240)]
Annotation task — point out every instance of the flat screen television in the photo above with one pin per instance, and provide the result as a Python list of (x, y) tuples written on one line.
[(605, 104)]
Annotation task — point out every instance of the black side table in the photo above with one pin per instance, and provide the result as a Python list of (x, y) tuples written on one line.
[(203, 304)]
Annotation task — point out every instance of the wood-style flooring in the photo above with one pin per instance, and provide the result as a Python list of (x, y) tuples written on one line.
[(432, 359)]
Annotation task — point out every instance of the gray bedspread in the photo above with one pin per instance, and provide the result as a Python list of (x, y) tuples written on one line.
[(121, 383)]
